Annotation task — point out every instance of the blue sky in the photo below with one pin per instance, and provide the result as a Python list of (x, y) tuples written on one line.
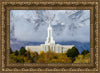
[(31, 25)]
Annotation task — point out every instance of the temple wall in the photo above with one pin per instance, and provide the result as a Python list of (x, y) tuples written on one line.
[(56, 48), (34, 49)]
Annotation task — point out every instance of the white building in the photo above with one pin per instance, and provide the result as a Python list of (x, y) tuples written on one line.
[(49, 45)]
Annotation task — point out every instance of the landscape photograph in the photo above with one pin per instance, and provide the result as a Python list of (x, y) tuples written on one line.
[(49, 36)]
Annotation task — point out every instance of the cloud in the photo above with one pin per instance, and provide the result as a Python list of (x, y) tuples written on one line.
[(31, 25)]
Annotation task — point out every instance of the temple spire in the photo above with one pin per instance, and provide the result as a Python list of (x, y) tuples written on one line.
[(49, 37), (49, 20)]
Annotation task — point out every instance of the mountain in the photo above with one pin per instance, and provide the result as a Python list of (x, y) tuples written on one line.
[(79, 45)]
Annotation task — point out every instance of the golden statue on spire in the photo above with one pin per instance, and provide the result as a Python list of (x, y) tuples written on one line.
[(49, 17), (49, 21)]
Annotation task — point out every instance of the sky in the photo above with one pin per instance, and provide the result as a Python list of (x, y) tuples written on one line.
[(32, 25)]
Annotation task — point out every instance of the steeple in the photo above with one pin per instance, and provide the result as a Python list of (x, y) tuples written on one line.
[(49, 38), (49, 22)]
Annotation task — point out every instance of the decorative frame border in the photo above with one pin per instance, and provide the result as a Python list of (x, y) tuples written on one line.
[(7, 6)]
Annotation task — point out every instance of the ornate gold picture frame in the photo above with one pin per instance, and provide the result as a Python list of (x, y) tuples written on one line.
[(6, 6)]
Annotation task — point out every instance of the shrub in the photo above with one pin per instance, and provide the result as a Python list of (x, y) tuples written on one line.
[(16, 59), (41, 52), (83, 58), (84, 52), (35, 53), (20, 60), (62, 58), (25, 53), (52, 57), (34, 59), (28, 55), (16, 53)]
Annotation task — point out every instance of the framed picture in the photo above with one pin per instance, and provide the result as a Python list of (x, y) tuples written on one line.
[(49, 36)]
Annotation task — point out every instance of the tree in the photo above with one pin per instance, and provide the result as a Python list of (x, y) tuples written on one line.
[(35, 53), (34, 59), (87, 51), (25, 53), (19, 60), (16, 53), (11, 51), (28, 55), (84, 52), (22, 51), (82, 58), (73, 52)]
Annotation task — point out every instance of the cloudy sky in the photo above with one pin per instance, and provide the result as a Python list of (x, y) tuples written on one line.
[(31, 25)]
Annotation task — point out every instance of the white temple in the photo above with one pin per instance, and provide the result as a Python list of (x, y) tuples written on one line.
[(49, 44), (49, 38)]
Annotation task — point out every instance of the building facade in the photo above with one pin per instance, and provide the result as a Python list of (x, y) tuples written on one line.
[(49, 45)]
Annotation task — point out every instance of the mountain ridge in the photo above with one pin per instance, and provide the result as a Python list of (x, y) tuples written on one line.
[(79, 45)]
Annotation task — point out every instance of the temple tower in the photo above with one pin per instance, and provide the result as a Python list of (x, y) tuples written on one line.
[(49, 37)]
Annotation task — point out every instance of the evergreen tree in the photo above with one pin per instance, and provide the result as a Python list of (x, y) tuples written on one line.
[(73, 52), (87, 51), (84, 52), (22, 51), (11, 51), (16, 53)]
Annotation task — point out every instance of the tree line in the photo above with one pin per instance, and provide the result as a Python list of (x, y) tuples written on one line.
[(24, 56)]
